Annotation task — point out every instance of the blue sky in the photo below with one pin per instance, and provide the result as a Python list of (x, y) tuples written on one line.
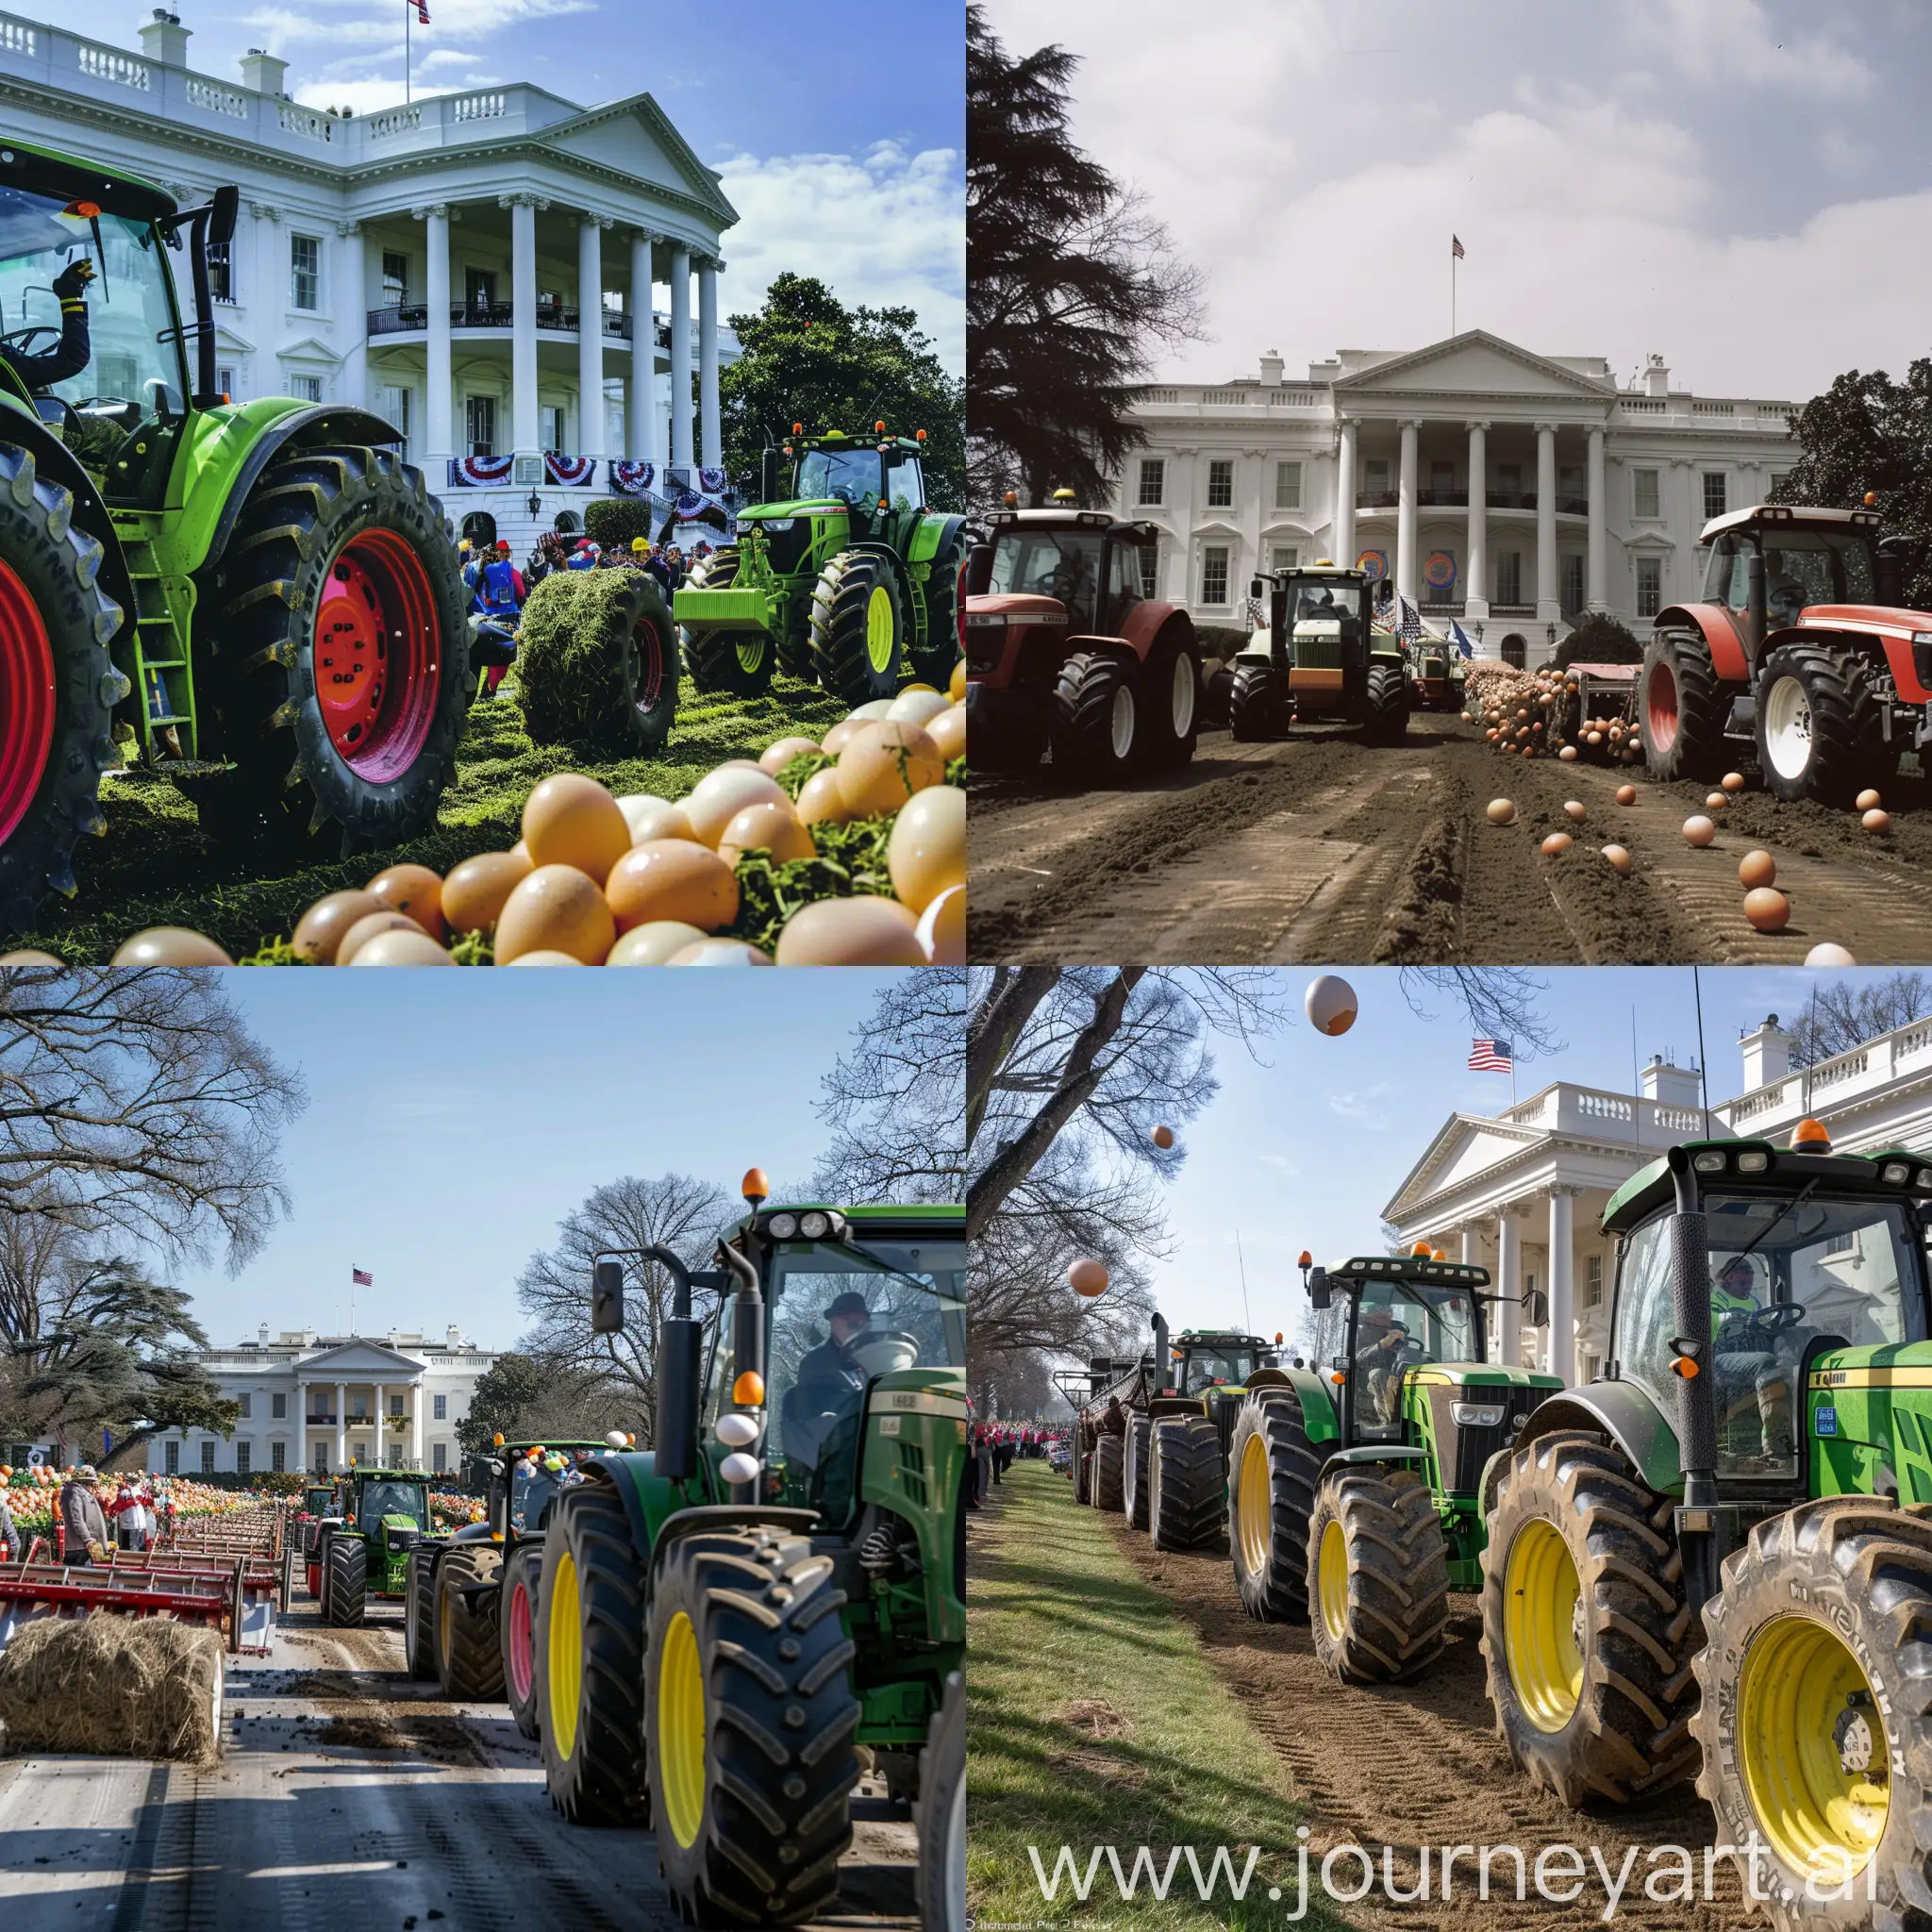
[(1304, 1151), (450, 1127)]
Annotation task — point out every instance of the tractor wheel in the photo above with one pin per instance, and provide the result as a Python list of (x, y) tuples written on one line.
[(1819, 726), (340, 674), (419, 1615), (1272, 1473), (939, 1814), (858, 628), (1134, 1469), (944, 641), (740, 661), (1381, 1570), (591, 1660), (467, 1659), (516, 1621), (1387, 722), (1095, 725), (1172, 684), (1255, 710), (603, 671), (57, 687), (1187, 1497), (1680, 708), (1815, 1707), (1108, 1491), (749, 1720), (1584, 1629), (345, 1581), (1082, 1460)]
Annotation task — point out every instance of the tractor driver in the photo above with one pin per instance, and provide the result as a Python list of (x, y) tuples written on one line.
[(830, 1383), (1073, 579), (1754, 1359), (1380, 1349), (41, 371), (1785, 595)]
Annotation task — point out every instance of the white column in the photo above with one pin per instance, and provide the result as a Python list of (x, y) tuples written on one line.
[(680, 356), (341, 1423), (526, 435), (439, 441), (1344, 496), (1549, 603), (1475, 577), (1562, 1349), (416, 1401), (381, 1428), (352, 267), (1594, 579), (590, 335), (640, 405), (1509, 1285), (266, 292), (711, 431), (1404, 518), (301, 1423)]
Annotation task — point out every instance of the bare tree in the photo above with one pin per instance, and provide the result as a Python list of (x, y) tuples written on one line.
[(1845, 1013)]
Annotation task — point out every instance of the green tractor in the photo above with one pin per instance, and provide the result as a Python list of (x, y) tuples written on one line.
[(365, 1552), (1320, 658), (1435, 675), (849, 580), (261, 602), (725, 1617), (1355, 1491)]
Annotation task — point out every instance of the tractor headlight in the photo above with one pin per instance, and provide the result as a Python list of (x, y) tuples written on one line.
[(1896, 1174), (1921, 637), (815, 1226), (1477, 1415), (776, 523), (1754, 1162), (782, 1226), (1924, 1184), (1708, 1163)]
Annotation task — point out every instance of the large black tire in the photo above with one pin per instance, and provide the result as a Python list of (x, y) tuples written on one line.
[(358, 527), (1095, 725), (1083, 1475), (738, 661), (469, 1661), (940, 1815), (1381, 1571), (1255, 707), (1680, 708), (55, 624), (1187, 1497), (419, 1616), (345, 1581), (1387, 722), (1820, 725), (1134, 1472), (1582, 1575), (748, 1726), (1272, 1472), (597, 662), (939, 648), (1108, 1493), (591, 1637), (858, 628), (516, 1627), (1014, 747), (1171, 693), (1836, 1596)]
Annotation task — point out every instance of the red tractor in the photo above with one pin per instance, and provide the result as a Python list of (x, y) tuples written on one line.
[(1064, 649), (1802, 645)]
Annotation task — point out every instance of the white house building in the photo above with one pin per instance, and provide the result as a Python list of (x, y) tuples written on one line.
[(480, 267), (1523, 1192), (1504, 488), (320, 1402)]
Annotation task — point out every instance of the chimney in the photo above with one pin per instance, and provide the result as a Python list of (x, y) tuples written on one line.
[(454, 1336), (164, 39), (1672, 1086), (1656, 378), (1767, 1055), (1323, 372), (1270, 369), (261, 1336), (261, 71)]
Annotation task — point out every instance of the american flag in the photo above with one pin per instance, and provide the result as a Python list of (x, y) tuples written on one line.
[(1405, 619), (1490, 1057), (1456, 249), (361, 1278)]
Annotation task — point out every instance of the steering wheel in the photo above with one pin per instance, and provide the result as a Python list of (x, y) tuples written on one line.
[(20, 339), (1779, 1318), (106, 403)]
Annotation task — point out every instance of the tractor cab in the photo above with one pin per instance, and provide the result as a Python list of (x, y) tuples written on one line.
[(526, 1478), (1202, 1362), (1318, 657), (1814, 562), (1048, 576)]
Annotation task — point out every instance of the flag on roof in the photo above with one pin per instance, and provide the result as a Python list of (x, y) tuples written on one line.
[(361, 1278), (1456, 247), (422, 8), (1490, 1057)]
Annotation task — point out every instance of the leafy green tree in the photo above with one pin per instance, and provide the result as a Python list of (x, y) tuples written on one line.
[(511, 1385), (1599, 639), (808, 358)]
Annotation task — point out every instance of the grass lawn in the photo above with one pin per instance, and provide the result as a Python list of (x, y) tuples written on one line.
[(1094, 1719)]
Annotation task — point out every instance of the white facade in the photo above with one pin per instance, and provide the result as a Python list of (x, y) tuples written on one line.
[(320, 1402), (432, 261), (1508, 490)]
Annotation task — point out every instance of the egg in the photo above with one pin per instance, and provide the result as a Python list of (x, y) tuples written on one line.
[(1501, 812), (404, 945), (522, 850), (885, 764), (1698, 830), (1869, 800), (319, 930), (1573, 808), (475, 891), (663, 822), (1732, 781), (941, 930), (840, 735), (870, 711), (1556, 843), (821, 802), (720, 952), (1619, 859), (927, 853), (767, 827), (1767, 909), (169, 945), (571, 820), (864, 931), (916, 707), (1626, 794), (639, 805), (1827, 953), (414, 890), (557, 909), (1716, 801), (1877, 820), (366, 928), (955, 685), (948, 731), (1568, 753), (1757, 869), (1594, 737), (719, 796), (652, 944), (543, 956), (670, 878), (774, 758)]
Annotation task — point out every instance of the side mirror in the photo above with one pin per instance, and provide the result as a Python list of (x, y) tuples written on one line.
[(1536, 1308), (1320, 1296), (979, 570), (1258, 586), (221, 223), (606, 1299)]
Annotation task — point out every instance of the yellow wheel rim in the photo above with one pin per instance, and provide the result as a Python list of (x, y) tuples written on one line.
[(880, 641), (681, 1731), (1332, 1579), (1254, 1517), (1805, 1713), (1540, 1592), (565, 1656)]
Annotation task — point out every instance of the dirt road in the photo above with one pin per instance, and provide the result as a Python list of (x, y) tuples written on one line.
[(350, 1796), (1320, 849)]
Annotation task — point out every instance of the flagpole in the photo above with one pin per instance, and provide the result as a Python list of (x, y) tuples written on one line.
[(409, 6)]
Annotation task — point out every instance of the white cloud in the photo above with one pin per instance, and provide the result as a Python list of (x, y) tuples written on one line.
[(1731, 42), (1360, 1109), (1280, 1163)]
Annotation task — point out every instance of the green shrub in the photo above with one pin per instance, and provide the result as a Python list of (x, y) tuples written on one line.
[(570, 659), (1599, 639), (609, 520)]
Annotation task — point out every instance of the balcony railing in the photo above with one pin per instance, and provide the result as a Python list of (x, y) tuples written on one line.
[(409, 317)]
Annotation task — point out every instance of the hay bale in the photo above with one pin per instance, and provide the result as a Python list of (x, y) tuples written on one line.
[(576, 664), (114, 1687)]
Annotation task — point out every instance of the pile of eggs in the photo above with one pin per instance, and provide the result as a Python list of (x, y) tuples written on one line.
[(1527, 713)]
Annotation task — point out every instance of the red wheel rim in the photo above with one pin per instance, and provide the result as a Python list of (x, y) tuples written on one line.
[(649, 650), (1660, 706), (27, 700), (377, 654), (522, 1647)]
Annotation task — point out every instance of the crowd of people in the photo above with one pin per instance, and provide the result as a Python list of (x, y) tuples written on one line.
[(92, 1516), (996, 1446)]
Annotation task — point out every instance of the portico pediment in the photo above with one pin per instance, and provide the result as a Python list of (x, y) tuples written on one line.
[(1465, 1145), (309, 348), (635, 137), (358, 1361), (1475, 364)]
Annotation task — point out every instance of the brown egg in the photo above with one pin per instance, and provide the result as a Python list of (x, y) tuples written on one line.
[(1757, 869), (414, 890), (663, 822), (720, 952), (1556, 843), (948, 731), (169, 945), (571, 820), (840, 735), (766, 826), (639, 805), (821, 802), (917, 706), (404, 945), (1716, 801), (870, 711), (475, 891), (885, 764), (955, 685), (1594, 737), (1869, 800), (319, 930), (1698, 830), (1877, 820), (719, 796), (1732, 781), (1573, 808), (942, 930), (927, 853), (26, 955), (556, 909), (1626, 794), (545, 957), (522, 850), (1501, 811), (366, 928), (1492, 734), (1568, 753), (652, 944), (851, 932), (670, 878), (774, 758), (1619, 859), (1767, 909)]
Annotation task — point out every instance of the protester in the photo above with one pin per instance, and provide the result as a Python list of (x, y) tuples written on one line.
[(78, 1513), (9, 1537)]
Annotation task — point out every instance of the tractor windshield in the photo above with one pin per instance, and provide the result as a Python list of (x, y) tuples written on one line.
[(1800, 566), (1398, 1326), (1216, 1368), (390, 1498), (1783, 1272), (534, 1486), (852, 475), (1059, 562)]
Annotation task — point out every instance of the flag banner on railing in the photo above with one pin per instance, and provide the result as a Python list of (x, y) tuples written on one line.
[(479, 472), (574, 473), (711, 482), (633, 479), (689, 503)]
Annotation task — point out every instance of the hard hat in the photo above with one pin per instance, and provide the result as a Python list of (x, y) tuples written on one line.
[(639, 542)]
